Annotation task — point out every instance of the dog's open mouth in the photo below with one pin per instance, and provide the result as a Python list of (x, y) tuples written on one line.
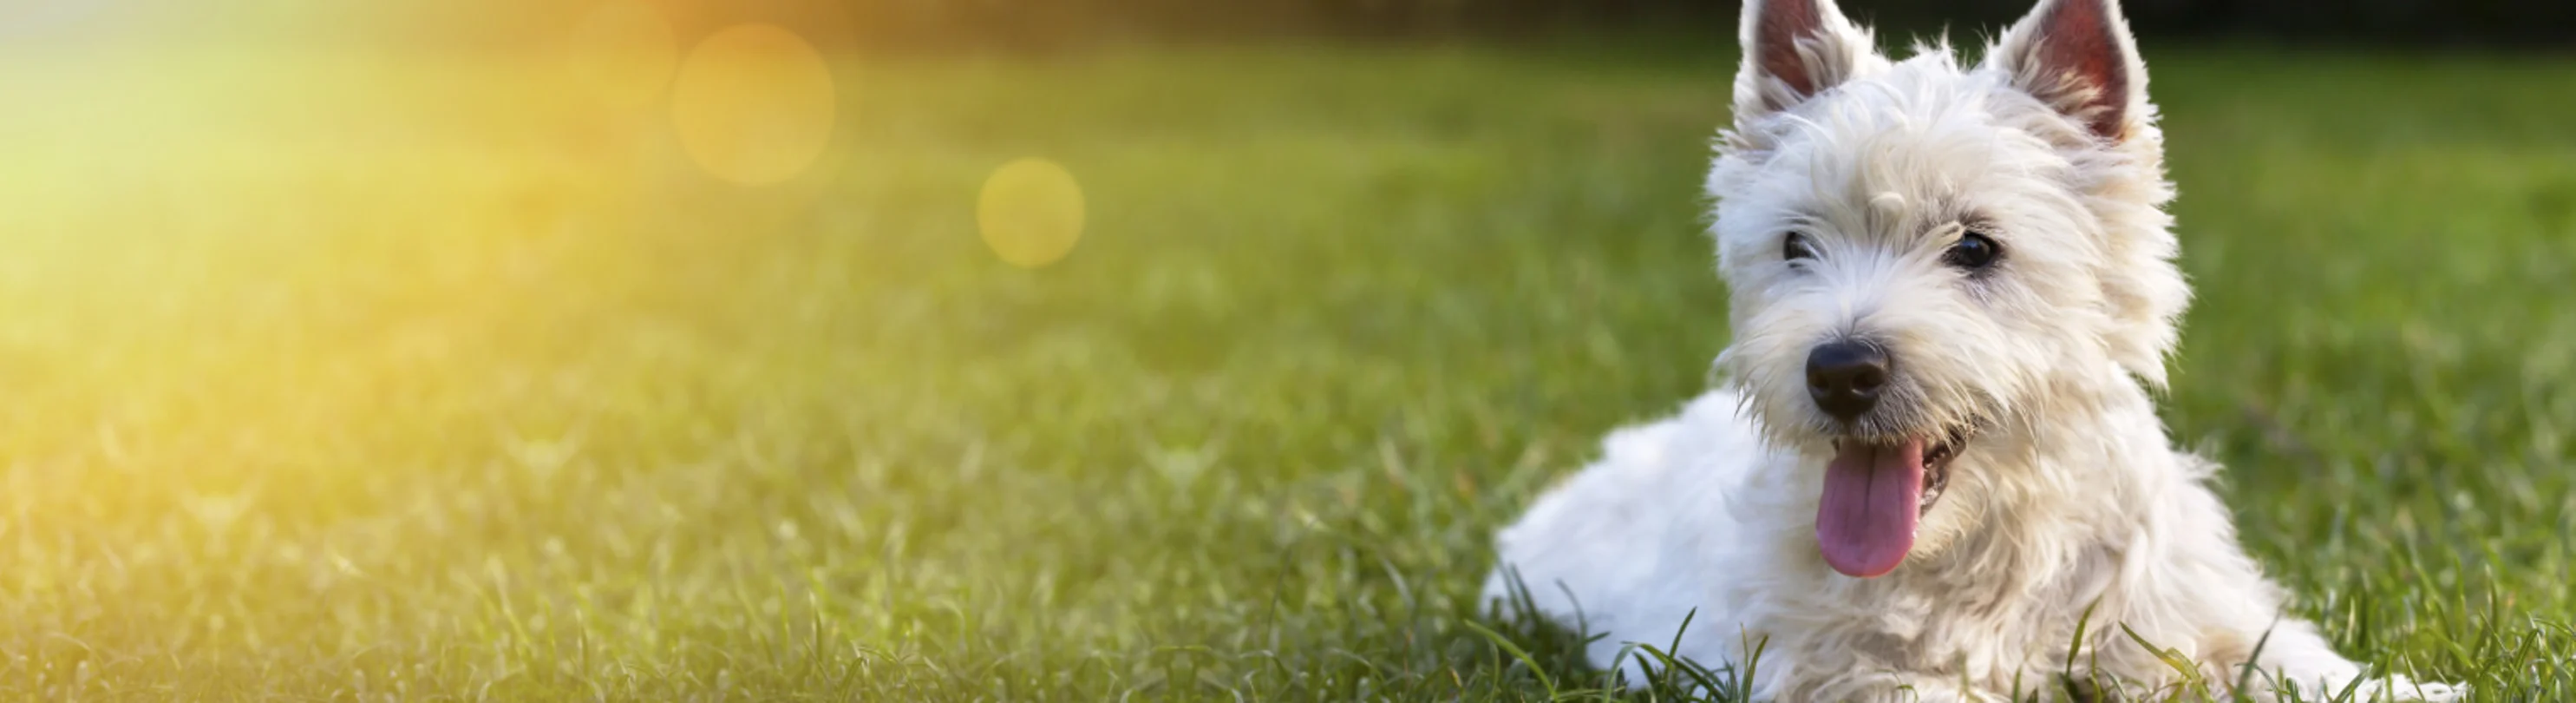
[(1875, 493)]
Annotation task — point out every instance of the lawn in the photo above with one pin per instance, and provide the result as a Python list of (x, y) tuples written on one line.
[(392, 376)]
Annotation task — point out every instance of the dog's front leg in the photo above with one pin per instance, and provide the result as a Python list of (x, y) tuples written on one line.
[(2296, 657)]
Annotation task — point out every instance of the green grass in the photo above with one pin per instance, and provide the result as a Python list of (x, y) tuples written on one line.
[(409, 379)]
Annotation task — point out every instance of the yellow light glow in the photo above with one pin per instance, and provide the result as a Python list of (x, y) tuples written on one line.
[(625, 52), (1030, 212), (753, 104)]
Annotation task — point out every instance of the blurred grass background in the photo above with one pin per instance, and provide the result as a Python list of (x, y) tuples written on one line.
[(408, 372)]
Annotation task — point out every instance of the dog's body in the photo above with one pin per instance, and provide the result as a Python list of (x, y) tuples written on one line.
[(1953, 293)]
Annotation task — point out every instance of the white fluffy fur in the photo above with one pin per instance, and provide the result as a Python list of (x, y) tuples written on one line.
[(2070, 495)]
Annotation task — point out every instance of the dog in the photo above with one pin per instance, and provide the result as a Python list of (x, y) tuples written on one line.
[(1934, 469)]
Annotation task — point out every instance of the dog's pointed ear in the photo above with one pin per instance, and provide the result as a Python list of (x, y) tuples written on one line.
[(2077, 56), (1793, 49)]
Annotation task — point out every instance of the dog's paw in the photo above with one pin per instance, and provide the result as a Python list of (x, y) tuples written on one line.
[(2400, 688)]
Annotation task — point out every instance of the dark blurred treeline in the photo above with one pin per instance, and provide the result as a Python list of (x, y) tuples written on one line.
[(1047, 23)]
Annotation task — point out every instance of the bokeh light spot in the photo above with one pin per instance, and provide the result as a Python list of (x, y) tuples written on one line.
[(625, 52), (753, 104), (1030, 212)]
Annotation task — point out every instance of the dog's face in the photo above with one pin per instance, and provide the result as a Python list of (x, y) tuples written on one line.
[(1928, 261)]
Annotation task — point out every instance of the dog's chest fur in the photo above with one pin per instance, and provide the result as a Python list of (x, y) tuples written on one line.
[(1674, 524), (2004, 602)]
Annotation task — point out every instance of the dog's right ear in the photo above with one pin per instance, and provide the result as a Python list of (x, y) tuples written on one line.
[(1793, 50)]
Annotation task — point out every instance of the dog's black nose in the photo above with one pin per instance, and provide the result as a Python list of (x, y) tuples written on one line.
[(1844, 377)]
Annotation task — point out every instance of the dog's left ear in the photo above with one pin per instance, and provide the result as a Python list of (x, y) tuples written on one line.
[(2077, 56)]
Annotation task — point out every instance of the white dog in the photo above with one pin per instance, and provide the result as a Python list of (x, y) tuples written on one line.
[(1936, 458)]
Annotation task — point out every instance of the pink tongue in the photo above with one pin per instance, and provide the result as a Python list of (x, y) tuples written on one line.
[(1873, 494)]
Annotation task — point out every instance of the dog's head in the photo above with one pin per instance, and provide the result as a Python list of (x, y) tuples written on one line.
[(1929, 261)]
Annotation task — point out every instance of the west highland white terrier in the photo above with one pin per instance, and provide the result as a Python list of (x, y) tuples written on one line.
[(1935, 459)]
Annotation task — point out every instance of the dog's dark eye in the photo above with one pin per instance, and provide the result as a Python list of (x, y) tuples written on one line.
[(1973, 252), (1795, 247)]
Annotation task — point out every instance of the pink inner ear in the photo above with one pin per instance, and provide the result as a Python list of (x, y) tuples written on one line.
[(1776, 35), (2079, 40)]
